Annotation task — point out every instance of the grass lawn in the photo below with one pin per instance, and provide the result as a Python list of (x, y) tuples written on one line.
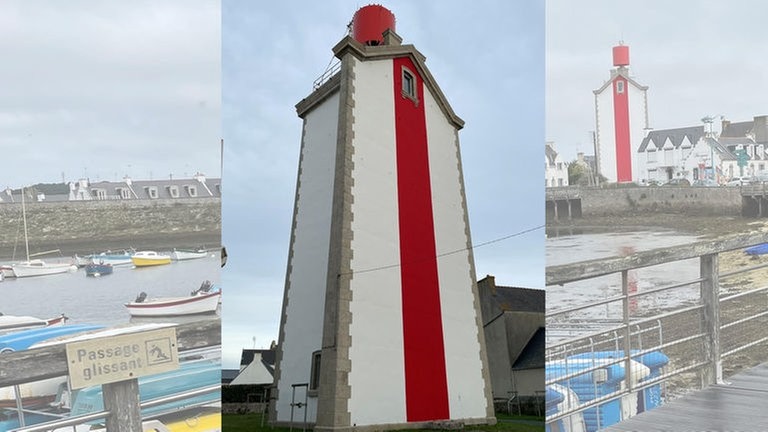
[(252, 423)]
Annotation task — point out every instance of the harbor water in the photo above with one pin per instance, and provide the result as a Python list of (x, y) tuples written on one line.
[(570, 248), (100, 300)]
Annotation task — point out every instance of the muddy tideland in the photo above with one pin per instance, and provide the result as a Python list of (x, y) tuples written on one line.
[(705, 226)]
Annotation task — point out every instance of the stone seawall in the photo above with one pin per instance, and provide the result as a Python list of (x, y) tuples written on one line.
[(83, 226), (723, 201)]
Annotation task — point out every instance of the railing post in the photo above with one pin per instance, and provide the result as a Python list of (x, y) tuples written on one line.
[(627, 331), (121, 399), (710, 290)]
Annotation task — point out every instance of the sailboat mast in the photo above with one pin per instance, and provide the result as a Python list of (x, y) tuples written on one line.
[(24, 216)]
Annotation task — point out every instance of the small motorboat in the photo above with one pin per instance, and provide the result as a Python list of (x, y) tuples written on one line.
[(98, 269), (107, 257), (200, 301), (149, 258), (188, 254)]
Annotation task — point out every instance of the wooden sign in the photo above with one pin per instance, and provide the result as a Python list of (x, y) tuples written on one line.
[(123, 357)]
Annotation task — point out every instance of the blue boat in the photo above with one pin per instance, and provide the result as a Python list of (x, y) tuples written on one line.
[(24, 339), (760, 249), (108, 257), (98, 269), (190, 375)]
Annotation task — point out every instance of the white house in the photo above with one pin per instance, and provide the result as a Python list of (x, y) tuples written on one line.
[(694, 153), (555, 170)]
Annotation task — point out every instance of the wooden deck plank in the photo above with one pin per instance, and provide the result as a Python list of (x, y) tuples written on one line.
[(740, 405)]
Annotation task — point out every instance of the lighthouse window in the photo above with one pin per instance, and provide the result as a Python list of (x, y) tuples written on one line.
[(619, 86), (409, 86), (314, 380)]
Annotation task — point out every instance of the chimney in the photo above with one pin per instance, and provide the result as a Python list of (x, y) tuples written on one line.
[(760, 129)]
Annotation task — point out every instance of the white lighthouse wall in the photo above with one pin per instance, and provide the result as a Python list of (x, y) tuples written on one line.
[(308, 264), (377, 376), (606, 133), (466, 387)]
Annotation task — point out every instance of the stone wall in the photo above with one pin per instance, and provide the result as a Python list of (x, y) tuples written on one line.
[(722, 201), (83, 226)]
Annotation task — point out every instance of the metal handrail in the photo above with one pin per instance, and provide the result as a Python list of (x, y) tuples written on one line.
[(80, 419)]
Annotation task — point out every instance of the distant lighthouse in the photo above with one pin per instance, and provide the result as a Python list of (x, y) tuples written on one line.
[(621, 111), (380, 324)]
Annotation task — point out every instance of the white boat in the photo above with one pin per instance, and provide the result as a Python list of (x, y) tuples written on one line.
[(36, 267), (15, 322), (188, 254), (197, 303)]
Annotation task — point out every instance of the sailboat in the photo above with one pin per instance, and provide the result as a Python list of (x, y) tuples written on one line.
[(36, 267)]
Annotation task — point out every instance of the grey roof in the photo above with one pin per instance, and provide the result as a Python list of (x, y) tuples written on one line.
[(187, 188), (267, 356), (657, 138), (227, 375), (550, 153), (532, 356), (519, 299), (739, 129)]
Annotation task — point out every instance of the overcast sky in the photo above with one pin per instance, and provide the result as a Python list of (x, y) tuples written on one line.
[(699, 58), (488, 59), (101, 89)]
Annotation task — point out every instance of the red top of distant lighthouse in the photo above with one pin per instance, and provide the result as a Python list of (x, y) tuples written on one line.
[(370, 22), (621, 55)]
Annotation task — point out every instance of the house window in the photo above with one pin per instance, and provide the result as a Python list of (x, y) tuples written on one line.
[(559, 182), (99, 194), (218, 188), (191, 190), (173, 191), (123, 193), (651, 155), (151, 191), (619, 86), (314, 378)]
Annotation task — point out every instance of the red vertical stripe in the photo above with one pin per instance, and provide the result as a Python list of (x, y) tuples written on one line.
[(426, 385), (621, 127)]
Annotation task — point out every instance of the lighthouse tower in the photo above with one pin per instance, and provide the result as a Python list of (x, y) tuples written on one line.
[(621, 111), (381, 325)]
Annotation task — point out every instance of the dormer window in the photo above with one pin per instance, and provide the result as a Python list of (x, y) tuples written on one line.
[(151, 191), (173, 191), (191, 191), (123, 193), (99, 194)]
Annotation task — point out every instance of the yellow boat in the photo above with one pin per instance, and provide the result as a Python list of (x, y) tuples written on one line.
[(201, 422), (149, 258)]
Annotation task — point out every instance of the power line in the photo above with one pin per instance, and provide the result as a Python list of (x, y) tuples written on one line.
[(486, 243)]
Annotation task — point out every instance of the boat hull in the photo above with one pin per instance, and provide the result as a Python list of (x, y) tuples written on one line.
[(182, 255), (149, 259), (98, 269), (38, 268), (174, 306)]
